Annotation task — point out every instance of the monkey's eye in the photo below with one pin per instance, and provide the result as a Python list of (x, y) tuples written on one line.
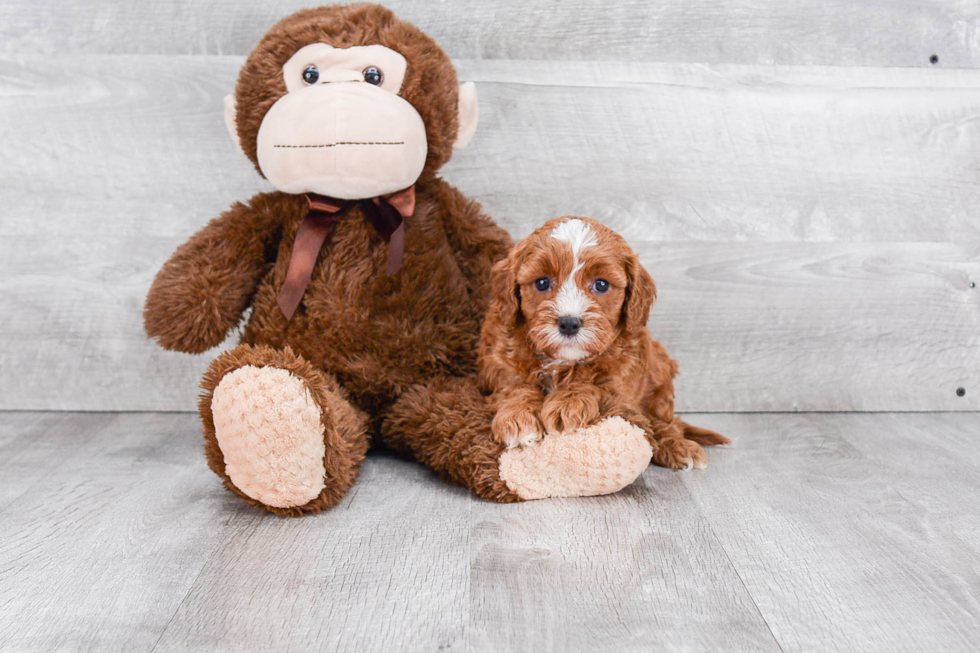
[(600, 286), (311, 74), (542, 284), (373, 75)]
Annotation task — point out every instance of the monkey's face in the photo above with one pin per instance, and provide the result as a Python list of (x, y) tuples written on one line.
[(342, 129), (350, 102)]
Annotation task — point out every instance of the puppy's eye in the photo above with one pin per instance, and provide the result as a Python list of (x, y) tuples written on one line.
[(543, 284), (600, 286), (311, 74), (373, 75)]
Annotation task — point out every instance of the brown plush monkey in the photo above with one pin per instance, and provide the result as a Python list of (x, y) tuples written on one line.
[(368, 278)]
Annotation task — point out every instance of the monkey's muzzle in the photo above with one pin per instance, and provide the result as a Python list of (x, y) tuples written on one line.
[(349, 140)]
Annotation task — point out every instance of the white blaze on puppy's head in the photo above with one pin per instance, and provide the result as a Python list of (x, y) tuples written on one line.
[(572, 300), (577, 234)]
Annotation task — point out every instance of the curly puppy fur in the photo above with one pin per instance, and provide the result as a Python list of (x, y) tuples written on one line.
[(360, 339), (565, 343)]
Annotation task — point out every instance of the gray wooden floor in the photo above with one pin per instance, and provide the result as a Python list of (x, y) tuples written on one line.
[(813, 532)]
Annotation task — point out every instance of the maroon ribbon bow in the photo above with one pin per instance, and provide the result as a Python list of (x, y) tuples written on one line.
[(385, 213)]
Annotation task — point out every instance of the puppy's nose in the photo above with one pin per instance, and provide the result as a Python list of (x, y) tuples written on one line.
[(568, 325)]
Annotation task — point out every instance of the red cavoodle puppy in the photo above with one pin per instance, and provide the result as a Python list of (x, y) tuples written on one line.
[(565, 344)]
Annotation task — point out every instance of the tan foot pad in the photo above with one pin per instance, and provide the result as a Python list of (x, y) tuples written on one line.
[(269, 429), (600, 459)]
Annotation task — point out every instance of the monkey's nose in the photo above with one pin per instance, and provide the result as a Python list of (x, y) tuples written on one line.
[(568, 325)]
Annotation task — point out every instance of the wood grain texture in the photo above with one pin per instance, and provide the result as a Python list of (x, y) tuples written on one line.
[(666, 152), (758, 326), (813, 532), (819, 326), (386, 570), (98, 551), (634, 572), (729, 153), (864, 32), (30, 459), (832, 523), (748, 183), (919, 465)]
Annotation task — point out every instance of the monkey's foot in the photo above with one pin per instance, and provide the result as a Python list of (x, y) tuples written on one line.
[(280, 433), (599, 459), (270, 431)]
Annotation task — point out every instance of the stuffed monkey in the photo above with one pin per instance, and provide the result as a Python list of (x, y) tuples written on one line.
[(368, 278)]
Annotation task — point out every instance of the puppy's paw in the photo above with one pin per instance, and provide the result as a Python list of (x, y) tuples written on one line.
[(516, 427), (567, 411), (677, 453)]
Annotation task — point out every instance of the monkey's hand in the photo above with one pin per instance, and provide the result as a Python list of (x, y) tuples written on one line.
[(206, 285)]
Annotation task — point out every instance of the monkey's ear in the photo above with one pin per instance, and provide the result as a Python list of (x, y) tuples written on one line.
[(230, 123), (468, 115)]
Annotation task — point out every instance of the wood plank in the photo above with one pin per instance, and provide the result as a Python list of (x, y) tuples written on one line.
[(98, 552), (776, 169), (134, 518), (813, 532), (836, 549), (728, 153), (895, 33), (919, 463), (74, 328), (819, 326), (637, 571), (29, 458), (755, 326), (670, 152), (387, 570)]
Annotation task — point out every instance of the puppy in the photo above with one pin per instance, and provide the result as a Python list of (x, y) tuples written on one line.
[(565, 344)]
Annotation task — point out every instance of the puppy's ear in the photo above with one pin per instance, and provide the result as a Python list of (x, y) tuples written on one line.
[(506, 301), (641, 293)]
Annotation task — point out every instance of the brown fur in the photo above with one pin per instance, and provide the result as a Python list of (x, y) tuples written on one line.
[(370, 347), (440, 421), (625, 372)]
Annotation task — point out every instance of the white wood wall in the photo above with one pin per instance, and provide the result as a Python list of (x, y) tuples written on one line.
[(803, 183)]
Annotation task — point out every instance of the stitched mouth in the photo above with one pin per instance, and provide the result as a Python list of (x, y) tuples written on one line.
[(342, 143)]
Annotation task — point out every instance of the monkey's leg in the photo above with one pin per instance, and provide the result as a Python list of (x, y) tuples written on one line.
[(445, 424), (280, 432)]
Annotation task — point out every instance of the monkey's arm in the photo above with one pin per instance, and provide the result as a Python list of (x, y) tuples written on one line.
[(201, 292), (475, 238)]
